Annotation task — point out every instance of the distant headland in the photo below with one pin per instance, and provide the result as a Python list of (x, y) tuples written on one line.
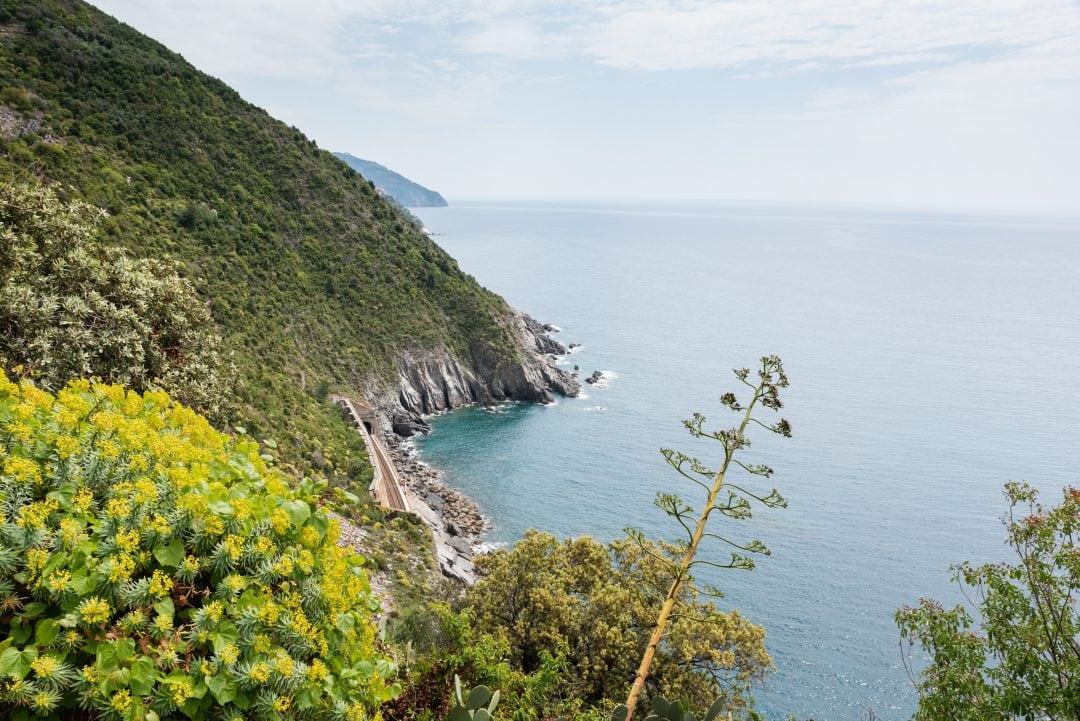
[(398, 187)]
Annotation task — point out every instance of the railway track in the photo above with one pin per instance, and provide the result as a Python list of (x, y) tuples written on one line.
[(386, 486)]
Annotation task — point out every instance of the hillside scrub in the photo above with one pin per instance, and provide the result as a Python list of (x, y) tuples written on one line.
[(152, 567), (1013, 650)]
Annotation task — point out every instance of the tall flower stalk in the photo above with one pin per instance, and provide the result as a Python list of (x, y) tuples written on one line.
[(735, 504)]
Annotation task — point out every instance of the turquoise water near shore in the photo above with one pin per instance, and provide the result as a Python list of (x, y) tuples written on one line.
[(931, 358)]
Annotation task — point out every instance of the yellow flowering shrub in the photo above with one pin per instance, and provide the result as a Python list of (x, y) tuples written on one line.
[(152, 567)]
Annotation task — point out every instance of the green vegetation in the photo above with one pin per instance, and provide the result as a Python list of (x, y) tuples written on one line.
[(315, 281), (560, 626), (70, 308), (591, 608), (153, 568), (440, 644), (1015, 653)]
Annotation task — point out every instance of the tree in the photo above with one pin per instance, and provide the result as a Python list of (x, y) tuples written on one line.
[(1012, 652), (72, 308), (591, 605)]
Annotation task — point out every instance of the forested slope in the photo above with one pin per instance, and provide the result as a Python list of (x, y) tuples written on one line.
[(316, 281)]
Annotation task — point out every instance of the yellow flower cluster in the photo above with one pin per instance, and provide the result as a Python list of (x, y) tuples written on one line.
[(94, 611), (23, 470), (44, 666), (34, 515), (160, 584), (121, 701), (143, 501), (259, 673)]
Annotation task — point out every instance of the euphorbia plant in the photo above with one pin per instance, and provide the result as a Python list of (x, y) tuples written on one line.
[(152, 568)]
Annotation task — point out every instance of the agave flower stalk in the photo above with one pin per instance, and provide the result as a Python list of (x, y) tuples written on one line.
[(737, 504)]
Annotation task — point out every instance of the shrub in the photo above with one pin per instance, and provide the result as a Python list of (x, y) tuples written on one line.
[(154, 568), (71, 307), (594, 605), (1012, 651)]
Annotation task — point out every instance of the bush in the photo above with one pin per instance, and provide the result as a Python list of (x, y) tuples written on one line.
[(1012, 651), (154, 568), (71, 307), (594, 605)]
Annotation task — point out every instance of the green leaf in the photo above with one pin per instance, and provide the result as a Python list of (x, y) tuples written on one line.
[(165, 607), (171, 555), (33, 610), (222, 687), (82, 584), (143, 675), (222, 508), (14, 662), (125, 649), (225, 634), (21, 632), (305, 699), (299, 511), (459, 713), (478, 697), (319, 522), (46, 631)]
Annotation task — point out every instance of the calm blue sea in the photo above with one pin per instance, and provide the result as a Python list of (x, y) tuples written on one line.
[(931, 358)]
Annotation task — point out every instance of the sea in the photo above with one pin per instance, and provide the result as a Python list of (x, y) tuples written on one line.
[(932, 358)]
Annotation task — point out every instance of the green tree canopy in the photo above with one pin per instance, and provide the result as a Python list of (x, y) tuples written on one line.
[(595, 605), (1014, 652), (71, 307)]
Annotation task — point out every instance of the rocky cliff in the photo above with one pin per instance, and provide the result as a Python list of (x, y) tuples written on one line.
[(434, 379)]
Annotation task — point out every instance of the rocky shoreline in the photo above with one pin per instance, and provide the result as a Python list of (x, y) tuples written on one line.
[(456, 523), (432, 380), (459, 512)]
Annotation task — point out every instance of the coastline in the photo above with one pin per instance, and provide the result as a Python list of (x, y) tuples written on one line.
[(434, 382)]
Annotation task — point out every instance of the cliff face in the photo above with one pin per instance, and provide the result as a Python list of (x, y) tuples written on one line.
[(430, 380)]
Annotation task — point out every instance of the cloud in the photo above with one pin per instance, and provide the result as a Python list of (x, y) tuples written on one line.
[(282, 38), (669, 35)]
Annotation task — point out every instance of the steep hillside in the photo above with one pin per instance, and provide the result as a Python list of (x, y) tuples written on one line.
[(317, 283), (405, 191)]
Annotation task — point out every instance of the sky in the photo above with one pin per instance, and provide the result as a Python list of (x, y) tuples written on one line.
[(938, 104)]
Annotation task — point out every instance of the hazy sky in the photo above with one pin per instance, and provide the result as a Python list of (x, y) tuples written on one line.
[(964, 103)]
